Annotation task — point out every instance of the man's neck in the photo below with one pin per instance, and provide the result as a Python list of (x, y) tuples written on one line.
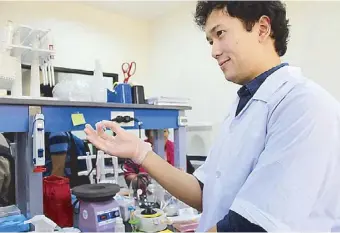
[(265, 65)]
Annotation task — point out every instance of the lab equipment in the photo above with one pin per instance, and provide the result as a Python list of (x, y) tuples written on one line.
[(98, 209), (124, 204), (148, 216), (26, 45), (51, 58), (7, 70), (138, 189), (128, 69), (100, 171), (164, 100), (44, 76), (39, 143), (120, 227), (121, 94), (138, 94), (152, 220), (42, 224)]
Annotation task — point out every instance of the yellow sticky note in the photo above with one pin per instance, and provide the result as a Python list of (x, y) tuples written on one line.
[(166, 231), (78, 119)]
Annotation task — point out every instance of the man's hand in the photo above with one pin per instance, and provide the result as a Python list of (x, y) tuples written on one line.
[(123, 145), (127, 145)]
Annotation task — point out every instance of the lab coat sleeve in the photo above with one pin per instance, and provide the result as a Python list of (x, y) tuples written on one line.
[(200, 174), (298, 171)]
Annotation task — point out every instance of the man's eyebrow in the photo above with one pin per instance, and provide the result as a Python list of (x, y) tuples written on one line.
[(214, 28)]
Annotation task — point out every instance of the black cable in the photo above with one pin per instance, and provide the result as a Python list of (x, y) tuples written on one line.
[(139, 126), (34, 124), (88, 175), (127, 119)]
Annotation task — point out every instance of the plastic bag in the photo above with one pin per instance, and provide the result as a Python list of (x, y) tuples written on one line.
[(73, 88), (57, 200)]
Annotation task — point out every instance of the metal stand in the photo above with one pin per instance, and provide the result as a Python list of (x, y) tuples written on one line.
[(159, 143), (29, 199)]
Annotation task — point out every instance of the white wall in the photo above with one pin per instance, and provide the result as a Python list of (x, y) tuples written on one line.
[(180, 61), (82, 34), (180, 57), (314, 43)]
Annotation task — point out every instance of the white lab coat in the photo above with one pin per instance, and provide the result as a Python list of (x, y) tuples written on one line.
[(278, 162)]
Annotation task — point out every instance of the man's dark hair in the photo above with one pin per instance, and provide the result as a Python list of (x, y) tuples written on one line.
[(249, 12)]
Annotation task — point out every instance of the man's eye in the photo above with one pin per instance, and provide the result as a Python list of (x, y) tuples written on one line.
[(210, 42), (220, 33)]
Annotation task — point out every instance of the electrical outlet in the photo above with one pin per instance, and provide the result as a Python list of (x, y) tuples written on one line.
[(114, 114), (183, 121)]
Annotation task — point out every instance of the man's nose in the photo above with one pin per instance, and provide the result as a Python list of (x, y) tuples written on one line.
[(216, 50)]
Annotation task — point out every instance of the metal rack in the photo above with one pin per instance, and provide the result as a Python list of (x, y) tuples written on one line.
[(16, 115)]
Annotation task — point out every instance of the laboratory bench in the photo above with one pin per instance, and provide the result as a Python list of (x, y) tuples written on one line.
[(18, 114)]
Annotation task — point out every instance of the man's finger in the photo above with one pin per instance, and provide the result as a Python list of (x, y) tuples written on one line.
[(98, 142), (89, 130), (101, 133), (113, 126)]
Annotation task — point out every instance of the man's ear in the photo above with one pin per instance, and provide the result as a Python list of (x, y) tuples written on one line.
[(264, 28)]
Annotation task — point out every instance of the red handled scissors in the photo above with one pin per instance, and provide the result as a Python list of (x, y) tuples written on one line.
[(128, 70)]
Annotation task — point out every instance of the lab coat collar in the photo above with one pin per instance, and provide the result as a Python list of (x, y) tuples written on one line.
[(274, 82)]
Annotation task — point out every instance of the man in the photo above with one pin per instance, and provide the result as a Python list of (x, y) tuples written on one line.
[(131, 169), (62, 151), (275, 165)]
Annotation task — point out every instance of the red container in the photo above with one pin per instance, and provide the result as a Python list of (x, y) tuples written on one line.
[(57, 200)]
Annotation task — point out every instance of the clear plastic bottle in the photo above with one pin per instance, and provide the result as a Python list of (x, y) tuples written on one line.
[(119, 227)]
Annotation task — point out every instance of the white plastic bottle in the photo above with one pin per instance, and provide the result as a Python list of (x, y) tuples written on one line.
[(119, 227), (99, 93)]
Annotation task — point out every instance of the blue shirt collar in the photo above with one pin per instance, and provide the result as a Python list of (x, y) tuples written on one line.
[(250, 88)]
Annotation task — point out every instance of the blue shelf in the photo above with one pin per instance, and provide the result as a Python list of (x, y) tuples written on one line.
[(58, 118), (14, 114), (14, 118)]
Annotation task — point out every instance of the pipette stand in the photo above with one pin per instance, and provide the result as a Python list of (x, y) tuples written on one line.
[(29, 46), (100, 171)]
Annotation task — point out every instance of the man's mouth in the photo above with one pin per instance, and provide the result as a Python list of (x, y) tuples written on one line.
[(223, 62)]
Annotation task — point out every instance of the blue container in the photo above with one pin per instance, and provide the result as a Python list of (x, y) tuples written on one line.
[(14, 223), (121, 94)]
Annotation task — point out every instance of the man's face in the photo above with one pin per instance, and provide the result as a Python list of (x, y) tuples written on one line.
[(234, 48), (166, 134)]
